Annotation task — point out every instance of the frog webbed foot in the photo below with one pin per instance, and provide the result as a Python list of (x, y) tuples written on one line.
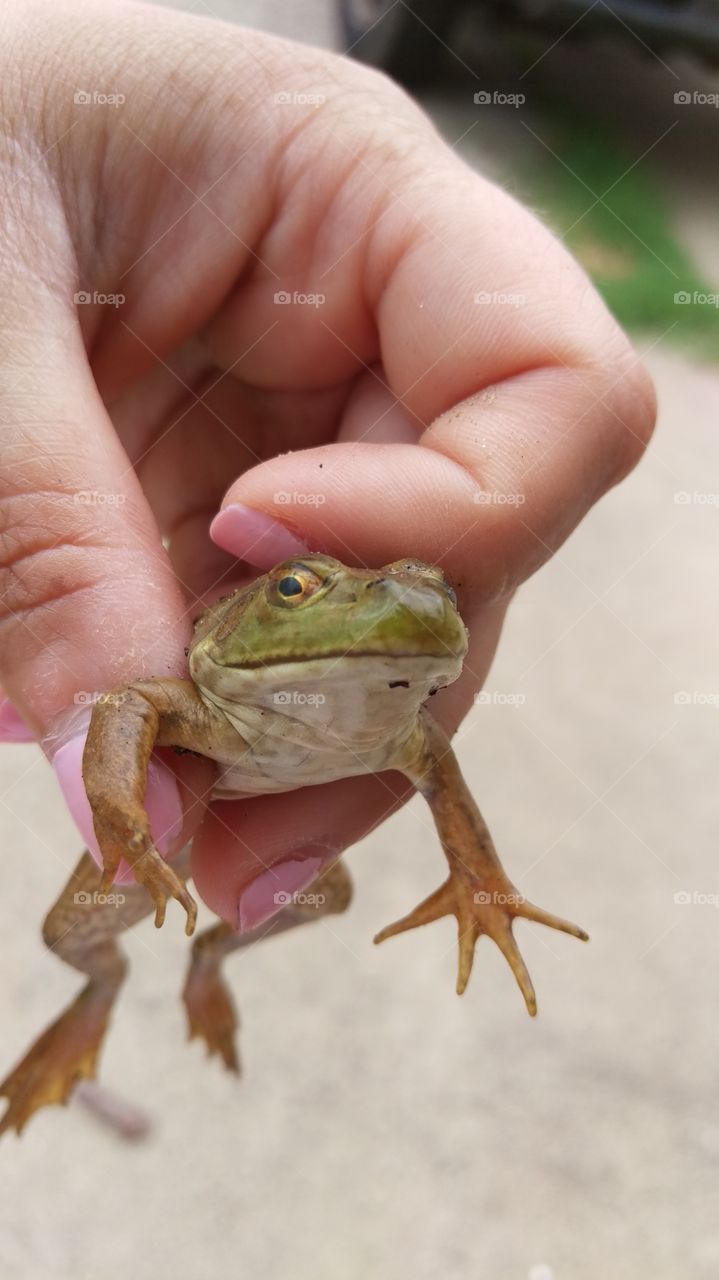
[(483, 908), (64, 1054), (210, 1009)]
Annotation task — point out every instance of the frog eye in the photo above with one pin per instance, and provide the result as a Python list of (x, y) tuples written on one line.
[(296, 584)]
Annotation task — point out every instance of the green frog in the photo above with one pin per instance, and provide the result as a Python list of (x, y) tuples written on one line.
[(314, 672)]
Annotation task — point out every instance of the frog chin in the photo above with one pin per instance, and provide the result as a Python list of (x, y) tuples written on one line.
[(326, 718), (379, 678)]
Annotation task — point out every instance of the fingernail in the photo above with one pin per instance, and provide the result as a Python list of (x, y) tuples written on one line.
[(255, 537), (162, 802), (276, 888), (12, 725)]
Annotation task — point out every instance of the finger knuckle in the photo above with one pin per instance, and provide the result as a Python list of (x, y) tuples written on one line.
[(627, 391)]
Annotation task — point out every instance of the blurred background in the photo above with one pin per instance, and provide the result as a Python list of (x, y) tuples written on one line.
[(383, 1127)]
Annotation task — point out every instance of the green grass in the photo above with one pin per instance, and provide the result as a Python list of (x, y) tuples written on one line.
[(626, 241)]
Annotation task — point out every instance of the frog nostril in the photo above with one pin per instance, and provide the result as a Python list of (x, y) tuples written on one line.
[(375, 582)]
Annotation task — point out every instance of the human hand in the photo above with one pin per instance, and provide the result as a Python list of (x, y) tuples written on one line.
[(472, 434)]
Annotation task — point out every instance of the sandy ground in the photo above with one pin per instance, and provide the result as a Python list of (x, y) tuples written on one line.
[(385, 1128)]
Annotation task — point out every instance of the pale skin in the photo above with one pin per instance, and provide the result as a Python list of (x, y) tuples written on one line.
[(399, 397)]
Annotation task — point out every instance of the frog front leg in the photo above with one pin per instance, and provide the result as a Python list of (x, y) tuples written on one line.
[(125, 726), (478, 892)]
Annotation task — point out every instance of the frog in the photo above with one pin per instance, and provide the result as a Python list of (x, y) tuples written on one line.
[(365, 649)]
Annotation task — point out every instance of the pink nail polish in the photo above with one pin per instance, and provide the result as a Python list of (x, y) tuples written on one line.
[(164, 808), (277, 887), (255, 537), (12, 725)]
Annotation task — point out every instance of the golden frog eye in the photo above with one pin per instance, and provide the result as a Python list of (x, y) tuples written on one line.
[(295, 585)]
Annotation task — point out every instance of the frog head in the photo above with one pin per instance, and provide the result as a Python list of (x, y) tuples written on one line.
[(393, 624)]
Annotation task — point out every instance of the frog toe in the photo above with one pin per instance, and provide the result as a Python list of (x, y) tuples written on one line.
[(162, 882), (438, 904), (480, 909)]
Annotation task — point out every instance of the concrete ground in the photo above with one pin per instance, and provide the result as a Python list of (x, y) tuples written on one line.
[(385, 1128)]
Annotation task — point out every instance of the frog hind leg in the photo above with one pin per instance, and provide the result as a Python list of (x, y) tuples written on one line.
[(82, 932), (211, 1012)]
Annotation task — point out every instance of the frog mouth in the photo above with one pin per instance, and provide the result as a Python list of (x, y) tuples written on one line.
[(391, 655)]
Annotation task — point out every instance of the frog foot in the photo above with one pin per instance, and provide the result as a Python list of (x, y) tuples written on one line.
[(480, 908), (62, 1056), (211, 1013), (161, 882)]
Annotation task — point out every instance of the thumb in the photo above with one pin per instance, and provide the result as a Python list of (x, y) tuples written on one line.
[(87, 595)]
